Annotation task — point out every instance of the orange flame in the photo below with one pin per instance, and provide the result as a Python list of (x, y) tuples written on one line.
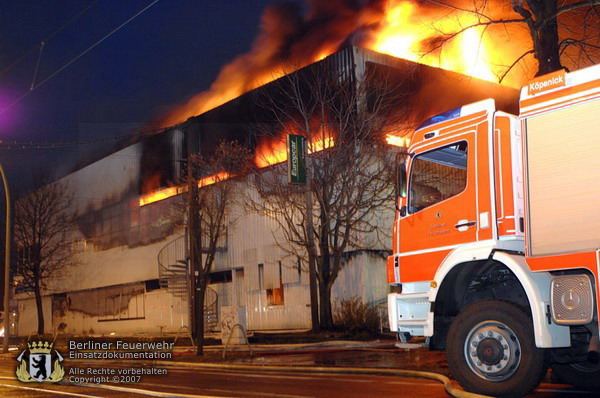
[(269, 153), (213, 179), (402, 28), (407, 29), (395, 140), (159, 195), (167, 193), (272, 151)]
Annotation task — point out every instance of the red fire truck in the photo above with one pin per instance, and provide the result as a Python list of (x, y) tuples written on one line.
[(496, 242)]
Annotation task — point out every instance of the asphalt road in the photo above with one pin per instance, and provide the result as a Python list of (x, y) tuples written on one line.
[(187, 382), (221, 383)]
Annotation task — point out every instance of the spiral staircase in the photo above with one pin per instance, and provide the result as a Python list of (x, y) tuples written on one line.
[(174, 275)]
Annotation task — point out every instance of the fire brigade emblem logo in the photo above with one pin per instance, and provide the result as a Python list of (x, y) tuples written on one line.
[(40, 364)]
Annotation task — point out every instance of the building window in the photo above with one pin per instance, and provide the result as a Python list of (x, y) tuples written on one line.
[(275, 295), (261, 277), (152, 284), (220, 277)]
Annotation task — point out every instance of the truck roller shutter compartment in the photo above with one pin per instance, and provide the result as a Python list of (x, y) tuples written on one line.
[(563, 191)]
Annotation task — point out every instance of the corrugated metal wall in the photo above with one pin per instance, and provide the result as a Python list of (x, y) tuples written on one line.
[(106, 181), (252, 250)]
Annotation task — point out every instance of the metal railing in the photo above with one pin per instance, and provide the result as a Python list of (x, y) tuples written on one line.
[(173, 268), (189, 333), (211, 310), (244, 335), (175, 276)]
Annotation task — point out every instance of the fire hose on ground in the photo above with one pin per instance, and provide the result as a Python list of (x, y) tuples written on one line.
[(450, 389)]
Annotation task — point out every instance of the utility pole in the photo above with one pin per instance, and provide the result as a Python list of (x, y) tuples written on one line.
[(197, 268), (195, 248), (6, 263), (189, 242), (312, 266), (312, 261)]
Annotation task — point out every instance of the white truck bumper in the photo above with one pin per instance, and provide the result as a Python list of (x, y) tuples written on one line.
[(410, 313)]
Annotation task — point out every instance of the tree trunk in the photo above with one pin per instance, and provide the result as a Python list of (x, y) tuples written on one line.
[(325, 305), (325, 271), (548, 55), (201, 292), (40, 308), (544, 32), (314, 295)]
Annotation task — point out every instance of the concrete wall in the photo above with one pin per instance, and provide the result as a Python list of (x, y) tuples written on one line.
[(158, 310), (27, 322)]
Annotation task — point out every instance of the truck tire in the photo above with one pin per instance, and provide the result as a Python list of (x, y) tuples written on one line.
[(491, 350), (585, 375)]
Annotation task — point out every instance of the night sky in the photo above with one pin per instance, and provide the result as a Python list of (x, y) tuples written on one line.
[(170, 52)]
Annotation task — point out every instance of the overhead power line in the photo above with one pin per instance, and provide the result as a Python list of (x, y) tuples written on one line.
[(38, 85), (45, 40), (25, 145)]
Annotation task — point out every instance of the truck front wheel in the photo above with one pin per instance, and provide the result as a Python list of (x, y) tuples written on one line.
[(491, 350)]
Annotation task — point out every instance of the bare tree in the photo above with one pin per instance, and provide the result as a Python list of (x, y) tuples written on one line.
[(209, 212), (343, 116), (44, 234), (563, 33)]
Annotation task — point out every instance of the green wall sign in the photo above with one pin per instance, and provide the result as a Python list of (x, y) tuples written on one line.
[(296, 159)]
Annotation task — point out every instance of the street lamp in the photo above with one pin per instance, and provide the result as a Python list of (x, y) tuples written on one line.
[(6, 262)]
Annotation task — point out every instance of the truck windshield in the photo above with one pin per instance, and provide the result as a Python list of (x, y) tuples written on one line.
[(437, 175)]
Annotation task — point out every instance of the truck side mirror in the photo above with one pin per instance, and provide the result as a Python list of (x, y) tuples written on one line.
[(400, 186)]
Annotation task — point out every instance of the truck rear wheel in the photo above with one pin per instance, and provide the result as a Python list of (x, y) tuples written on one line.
[(491, 350), (585, 375)]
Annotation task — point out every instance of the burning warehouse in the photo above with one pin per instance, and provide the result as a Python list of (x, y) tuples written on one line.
[(132, 272)]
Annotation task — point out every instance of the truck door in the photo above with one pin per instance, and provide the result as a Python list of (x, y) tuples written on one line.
[(448, 201)]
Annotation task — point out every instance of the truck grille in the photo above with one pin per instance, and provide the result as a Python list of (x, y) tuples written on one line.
[(572, 300)]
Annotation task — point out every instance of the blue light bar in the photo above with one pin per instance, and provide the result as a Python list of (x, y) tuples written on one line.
[(440, 117)]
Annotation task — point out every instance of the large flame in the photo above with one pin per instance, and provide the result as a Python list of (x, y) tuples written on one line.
[(401, 28), (406, 30)]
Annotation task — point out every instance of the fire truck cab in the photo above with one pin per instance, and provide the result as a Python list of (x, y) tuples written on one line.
[(496, 240)]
